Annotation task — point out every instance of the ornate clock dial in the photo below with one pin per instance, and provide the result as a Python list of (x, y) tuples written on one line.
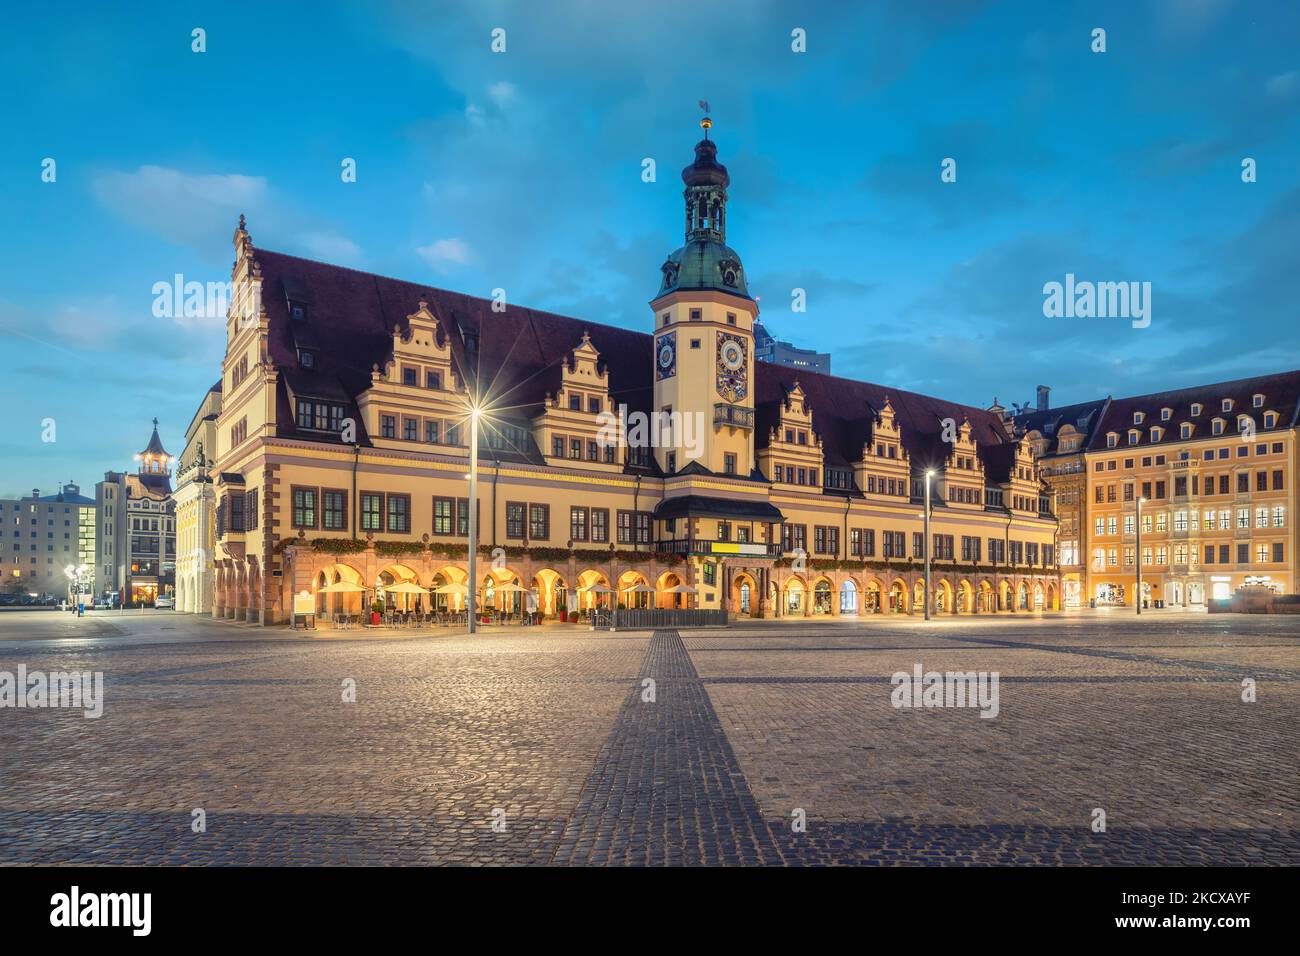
[(733, 356)]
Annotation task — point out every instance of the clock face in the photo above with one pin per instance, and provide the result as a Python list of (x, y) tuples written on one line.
[(666, 356), (732, 370)]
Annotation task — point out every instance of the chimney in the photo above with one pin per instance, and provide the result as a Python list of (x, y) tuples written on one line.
[(1043, 391)]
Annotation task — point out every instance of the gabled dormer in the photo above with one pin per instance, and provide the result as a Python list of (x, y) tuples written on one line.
[(962, 481), (574, 426), (793, 455), (886, 466), (417, 397)]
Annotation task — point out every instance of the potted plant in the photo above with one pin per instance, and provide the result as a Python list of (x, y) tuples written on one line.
[(376, 611)]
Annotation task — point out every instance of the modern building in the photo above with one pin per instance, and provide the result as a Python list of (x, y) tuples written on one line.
[(42, 536), (196, 508), (1199, 485), (658, 460), (768, 349), (136, 562)]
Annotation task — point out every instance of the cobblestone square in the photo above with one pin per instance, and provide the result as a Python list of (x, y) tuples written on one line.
[(542, 746)]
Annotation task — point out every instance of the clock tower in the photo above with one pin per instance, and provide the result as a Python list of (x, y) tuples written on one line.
[(704, 333)]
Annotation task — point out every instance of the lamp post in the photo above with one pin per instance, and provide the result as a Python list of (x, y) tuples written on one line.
[(474, 413), (1137, 556), (928, 475)]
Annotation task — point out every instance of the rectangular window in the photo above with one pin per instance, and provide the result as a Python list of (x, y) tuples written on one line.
[(411, 429), (372, 512), (236, 512), (539, 522), (600, 525), (578, 524), (304, 507), (515, 520), (1278, 552), (729, 464), (557, 446), (250, 510), (442, 512), (334, 510), (432, 380), (399, 514), (462, 517), (431, 431), (388, 426)]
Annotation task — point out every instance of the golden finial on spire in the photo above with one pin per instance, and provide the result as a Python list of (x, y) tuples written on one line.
[(706, 124)]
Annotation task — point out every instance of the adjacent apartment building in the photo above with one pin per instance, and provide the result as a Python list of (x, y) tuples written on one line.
[(136, 559), (43, 537)]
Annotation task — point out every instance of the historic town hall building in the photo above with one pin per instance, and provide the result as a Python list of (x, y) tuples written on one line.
[(608, 458)]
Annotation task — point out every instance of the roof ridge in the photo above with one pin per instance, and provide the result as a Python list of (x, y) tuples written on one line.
[(1209, 385)]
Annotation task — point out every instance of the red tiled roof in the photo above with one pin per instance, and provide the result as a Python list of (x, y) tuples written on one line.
[(1281, 393), (352, 315)]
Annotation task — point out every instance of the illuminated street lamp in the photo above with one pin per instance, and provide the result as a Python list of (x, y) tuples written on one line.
[(475, 413), (929, 474)]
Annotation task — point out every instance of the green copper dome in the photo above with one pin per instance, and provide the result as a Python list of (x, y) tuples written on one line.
[(705, 262)]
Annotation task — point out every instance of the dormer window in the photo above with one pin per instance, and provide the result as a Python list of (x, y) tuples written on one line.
[(1227, 405), (1137, 418), (1258, 401), (1111, 439), (1134, 436), (1244, 423), (297, 311), (1270, 420), (306, 358), (1166, 414), (1216, 427), (1196, 409), (1186, 430), (1157, 433)]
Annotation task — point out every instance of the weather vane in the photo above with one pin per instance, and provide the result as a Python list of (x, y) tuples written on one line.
[(705, 124)]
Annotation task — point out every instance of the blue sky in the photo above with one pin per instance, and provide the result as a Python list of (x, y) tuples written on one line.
[(522, 170)]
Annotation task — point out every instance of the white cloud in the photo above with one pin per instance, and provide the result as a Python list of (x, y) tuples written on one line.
[(331, 247), (502, 94), (1284, 84), (445, 253), (184, 207)]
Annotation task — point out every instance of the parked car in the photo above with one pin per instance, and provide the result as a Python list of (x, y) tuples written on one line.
[(165, 604)]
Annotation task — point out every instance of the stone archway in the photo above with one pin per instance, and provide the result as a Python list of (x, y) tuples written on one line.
[(965, 597), (744, 594), (899, 602), (823, 595), (849, 598)]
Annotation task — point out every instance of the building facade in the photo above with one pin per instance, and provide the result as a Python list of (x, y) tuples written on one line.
[(136, 559), (1059, 438), (1199, 485), (614, 466), (42, 537), (196, 509)]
